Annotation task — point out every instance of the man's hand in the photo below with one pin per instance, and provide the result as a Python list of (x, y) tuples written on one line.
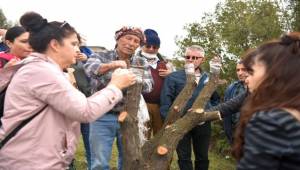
[(164, 72), (112, 66), (215, 65), (81, 57), (118, 64)]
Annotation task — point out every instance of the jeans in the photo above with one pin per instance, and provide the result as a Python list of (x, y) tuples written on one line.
[(85, 131), (199, 136), (102, 134)]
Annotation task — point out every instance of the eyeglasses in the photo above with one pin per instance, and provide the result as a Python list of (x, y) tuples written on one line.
[(151, 46), (192, 57)]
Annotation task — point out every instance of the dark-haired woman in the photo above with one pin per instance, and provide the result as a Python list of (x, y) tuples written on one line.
[(268, 136), (16, 38), (49, 140)]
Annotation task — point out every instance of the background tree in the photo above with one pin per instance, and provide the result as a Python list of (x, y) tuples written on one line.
[(4, 23), (294, 8), (234, 27)]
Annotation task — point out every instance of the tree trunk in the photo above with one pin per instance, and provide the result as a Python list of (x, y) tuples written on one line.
[(157, 153), (129, 127)]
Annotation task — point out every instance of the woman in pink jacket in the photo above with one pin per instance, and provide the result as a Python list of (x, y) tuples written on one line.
[(49, 140)]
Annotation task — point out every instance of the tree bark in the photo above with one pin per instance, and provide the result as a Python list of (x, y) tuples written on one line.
[(129, 127), (157, 153)]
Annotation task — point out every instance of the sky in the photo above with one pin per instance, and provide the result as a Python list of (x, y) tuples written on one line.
[(98, 20)]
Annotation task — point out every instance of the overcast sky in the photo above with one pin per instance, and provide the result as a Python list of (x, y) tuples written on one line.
[(98, 20)]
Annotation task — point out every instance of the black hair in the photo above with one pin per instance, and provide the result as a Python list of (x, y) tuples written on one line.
[(42, 31), (14, 32)]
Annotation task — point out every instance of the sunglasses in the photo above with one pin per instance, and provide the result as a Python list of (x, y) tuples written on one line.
[(151, 46), (64, 24), (192, 57)]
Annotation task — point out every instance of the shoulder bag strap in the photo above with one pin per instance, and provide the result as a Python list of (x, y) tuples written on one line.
[(19, 127)]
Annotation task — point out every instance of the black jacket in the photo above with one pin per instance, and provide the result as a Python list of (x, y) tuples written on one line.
[(231, 106)]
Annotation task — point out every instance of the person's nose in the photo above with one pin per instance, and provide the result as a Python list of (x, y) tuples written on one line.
[(247, 80), (77, 50)]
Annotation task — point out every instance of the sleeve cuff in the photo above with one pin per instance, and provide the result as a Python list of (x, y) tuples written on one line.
[(115, 90)]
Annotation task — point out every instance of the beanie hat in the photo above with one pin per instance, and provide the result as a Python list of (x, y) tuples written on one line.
[(131, 31), (152, 37)]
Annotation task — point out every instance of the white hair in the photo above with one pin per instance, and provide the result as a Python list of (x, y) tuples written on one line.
[(195, 48)]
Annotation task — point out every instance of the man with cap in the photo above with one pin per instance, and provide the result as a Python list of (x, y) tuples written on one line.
[(160, 68), (99, 68)]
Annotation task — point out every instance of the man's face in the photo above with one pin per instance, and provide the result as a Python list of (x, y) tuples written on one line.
[(150, 49), (195, 57), (241, 72), (127, 44)]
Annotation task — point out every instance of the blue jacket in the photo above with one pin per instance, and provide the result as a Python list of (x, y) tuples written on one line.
[(173, 85), (3, 47)]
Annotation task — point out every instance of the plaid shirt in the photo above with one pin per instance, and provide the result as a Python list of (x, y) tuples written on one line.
[(99, 81)]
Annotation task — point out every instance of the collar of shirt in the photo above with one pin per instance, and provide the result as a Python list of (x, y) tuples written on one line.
[(197, 76)]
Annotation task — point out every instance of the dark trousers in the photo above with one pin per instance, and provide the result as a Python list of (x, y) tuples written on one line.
[(85, 131), (228, 128), (156, 122), (199, 137)]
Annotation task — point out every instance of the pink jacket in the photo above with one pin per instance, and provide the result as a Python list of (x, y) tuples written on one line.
[(49, 140)]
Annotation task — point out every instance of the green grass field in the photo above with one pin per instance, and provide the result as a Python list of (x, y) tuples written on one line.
[(216, 161)]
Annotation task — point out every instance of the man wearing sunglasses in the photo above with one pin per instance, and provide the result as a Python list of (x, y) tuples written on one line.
[(160, 68), (199, 136)]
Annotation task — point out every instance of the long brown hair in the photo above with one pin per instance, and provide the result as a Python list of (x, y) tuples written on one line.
[(280, 87)]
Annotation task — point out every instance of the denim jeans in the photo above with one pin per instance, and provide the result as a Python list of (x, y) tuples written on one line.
[(199, 138), (85, 131), (102, 134)]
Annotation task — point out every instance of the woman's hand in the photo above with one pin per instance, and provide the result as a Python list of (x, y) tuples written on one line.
[(122, 78), (11, 62)]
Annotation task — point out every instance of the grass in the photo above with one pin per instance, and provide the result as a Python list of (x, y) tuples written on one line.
[(217, 162)]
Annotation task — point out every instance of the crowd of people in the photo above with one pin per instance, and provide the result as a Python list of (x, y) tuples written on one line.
[(59, 89)]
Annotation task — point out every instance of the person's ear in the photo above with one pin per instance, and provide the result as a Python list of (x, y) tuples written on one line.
[(9, 44), (54, 45)]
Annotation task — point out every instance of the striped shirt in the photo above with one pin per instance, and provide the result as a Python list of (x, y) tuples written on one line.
[(99, 81), (272, 141)]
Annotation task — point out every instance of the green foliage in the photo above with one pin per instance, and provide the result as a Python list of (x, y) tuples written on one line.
[(294, 9), (245, 24), (219, 143), (217, 161), (234, 27), (178, 63), (3, 21)]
